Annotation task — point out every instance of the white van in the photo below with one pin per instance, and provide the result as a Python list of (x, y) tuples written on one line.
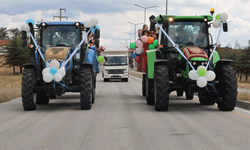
[(115, 67)]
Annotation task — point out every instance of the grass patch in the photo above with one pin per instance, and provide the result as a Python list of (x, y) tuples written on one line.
[(244, 96), (10, 87)]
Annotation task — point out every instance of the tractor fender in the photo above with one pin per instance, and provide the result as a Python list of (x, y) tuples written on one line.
[(86, 65), (38, 72), (224, 61), (161, 62)]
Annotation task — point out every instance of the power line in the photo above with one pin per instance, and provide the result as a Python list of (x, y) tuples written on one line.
[(13, 15), (17, 5), (6, 12)]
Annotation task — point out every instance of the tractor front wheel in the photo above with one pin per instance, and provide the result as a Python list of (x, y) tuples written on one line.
[(227, 87), (161, 87), (86, 88), (28, 95)]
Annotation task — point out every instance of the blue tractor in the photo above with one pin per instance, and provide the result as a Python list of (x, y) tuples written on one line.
[(60, 62)]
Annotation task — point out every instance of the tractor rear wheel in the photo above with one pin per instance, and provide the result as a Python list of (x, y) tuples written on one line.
[(149, 90), (189, 96), (206, 98), (144, 85), (179, 92), (42, 98), (161, 87), (28, 95), (86, 88), (227, 87)]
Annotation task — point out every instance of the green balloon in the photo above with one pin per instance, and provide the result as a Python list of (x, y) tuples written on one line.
[(202, 72), (217, 17), (155, 43), (151, 47), (132, 45), (100, 58)]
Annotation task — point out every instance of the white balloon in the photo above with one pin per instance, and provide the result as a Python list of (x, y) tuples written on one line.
[(25, 27), (216, 23), (210, 75), (47, 77), (54, 63), (193, 75), (138, 50), (201, 67), (93, 21), (201, 82), (62, 72), (87, 24), (223, 16), (46, 70), (58, 77)]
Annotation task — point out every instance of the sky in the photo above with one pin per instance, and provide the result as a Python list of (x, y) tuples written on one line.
[(114, 15)]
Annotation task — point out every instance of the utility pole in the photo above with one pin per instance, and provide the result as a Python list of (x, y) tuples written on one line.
[(61, 15)]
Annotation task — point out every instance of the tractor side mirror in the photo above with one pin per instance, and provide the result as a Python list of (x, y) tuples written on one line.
[(97, 33), (24, 38), (225, 27), (152, 23), (97, 42)]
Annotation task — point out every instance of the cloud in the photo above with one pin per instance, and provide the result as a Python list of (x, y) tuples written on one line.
[(239, 31)]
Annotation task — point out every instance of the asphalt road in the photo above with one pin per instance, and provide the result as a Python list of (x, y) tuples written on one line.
[(120, 119)]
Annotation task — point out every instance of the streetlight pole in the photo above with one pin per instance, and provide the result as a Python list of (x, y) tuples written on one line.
[(135, 27), (130, 35), (145, 11), (166, 7), (126, 41)]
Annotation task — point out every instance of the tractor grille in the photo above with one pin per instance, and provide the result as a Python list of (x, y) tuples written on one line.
[(115, 71), (196, 64)]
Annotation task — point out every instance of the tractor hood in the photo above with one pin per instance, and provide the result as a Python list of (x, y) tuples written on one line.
[(58, 53), (191, 52)]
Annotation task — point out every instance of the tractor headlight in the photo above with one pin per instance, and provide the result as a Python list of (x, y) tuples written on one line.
[(170, 19), (194, 63)]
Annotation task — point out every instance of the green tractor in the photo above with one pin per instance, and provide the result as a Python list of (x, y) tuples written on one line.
[(186, 61)]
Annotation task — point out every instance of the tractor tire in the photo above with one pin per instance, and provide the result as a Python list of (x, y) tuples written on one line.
[(52, 96), (161, 87), (42, 98), (126, 79), (144, 85), (28, 96), (227, 87), (206, 98), (93, 96), (149, 90), (189, 96), (86, 88), (179, 92)]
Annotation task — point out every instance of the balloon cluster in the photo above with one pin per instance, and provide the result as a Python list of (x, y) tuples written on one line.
[(202, 76), (219, 18), (53, 72), (101, 60), (139, 46)]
